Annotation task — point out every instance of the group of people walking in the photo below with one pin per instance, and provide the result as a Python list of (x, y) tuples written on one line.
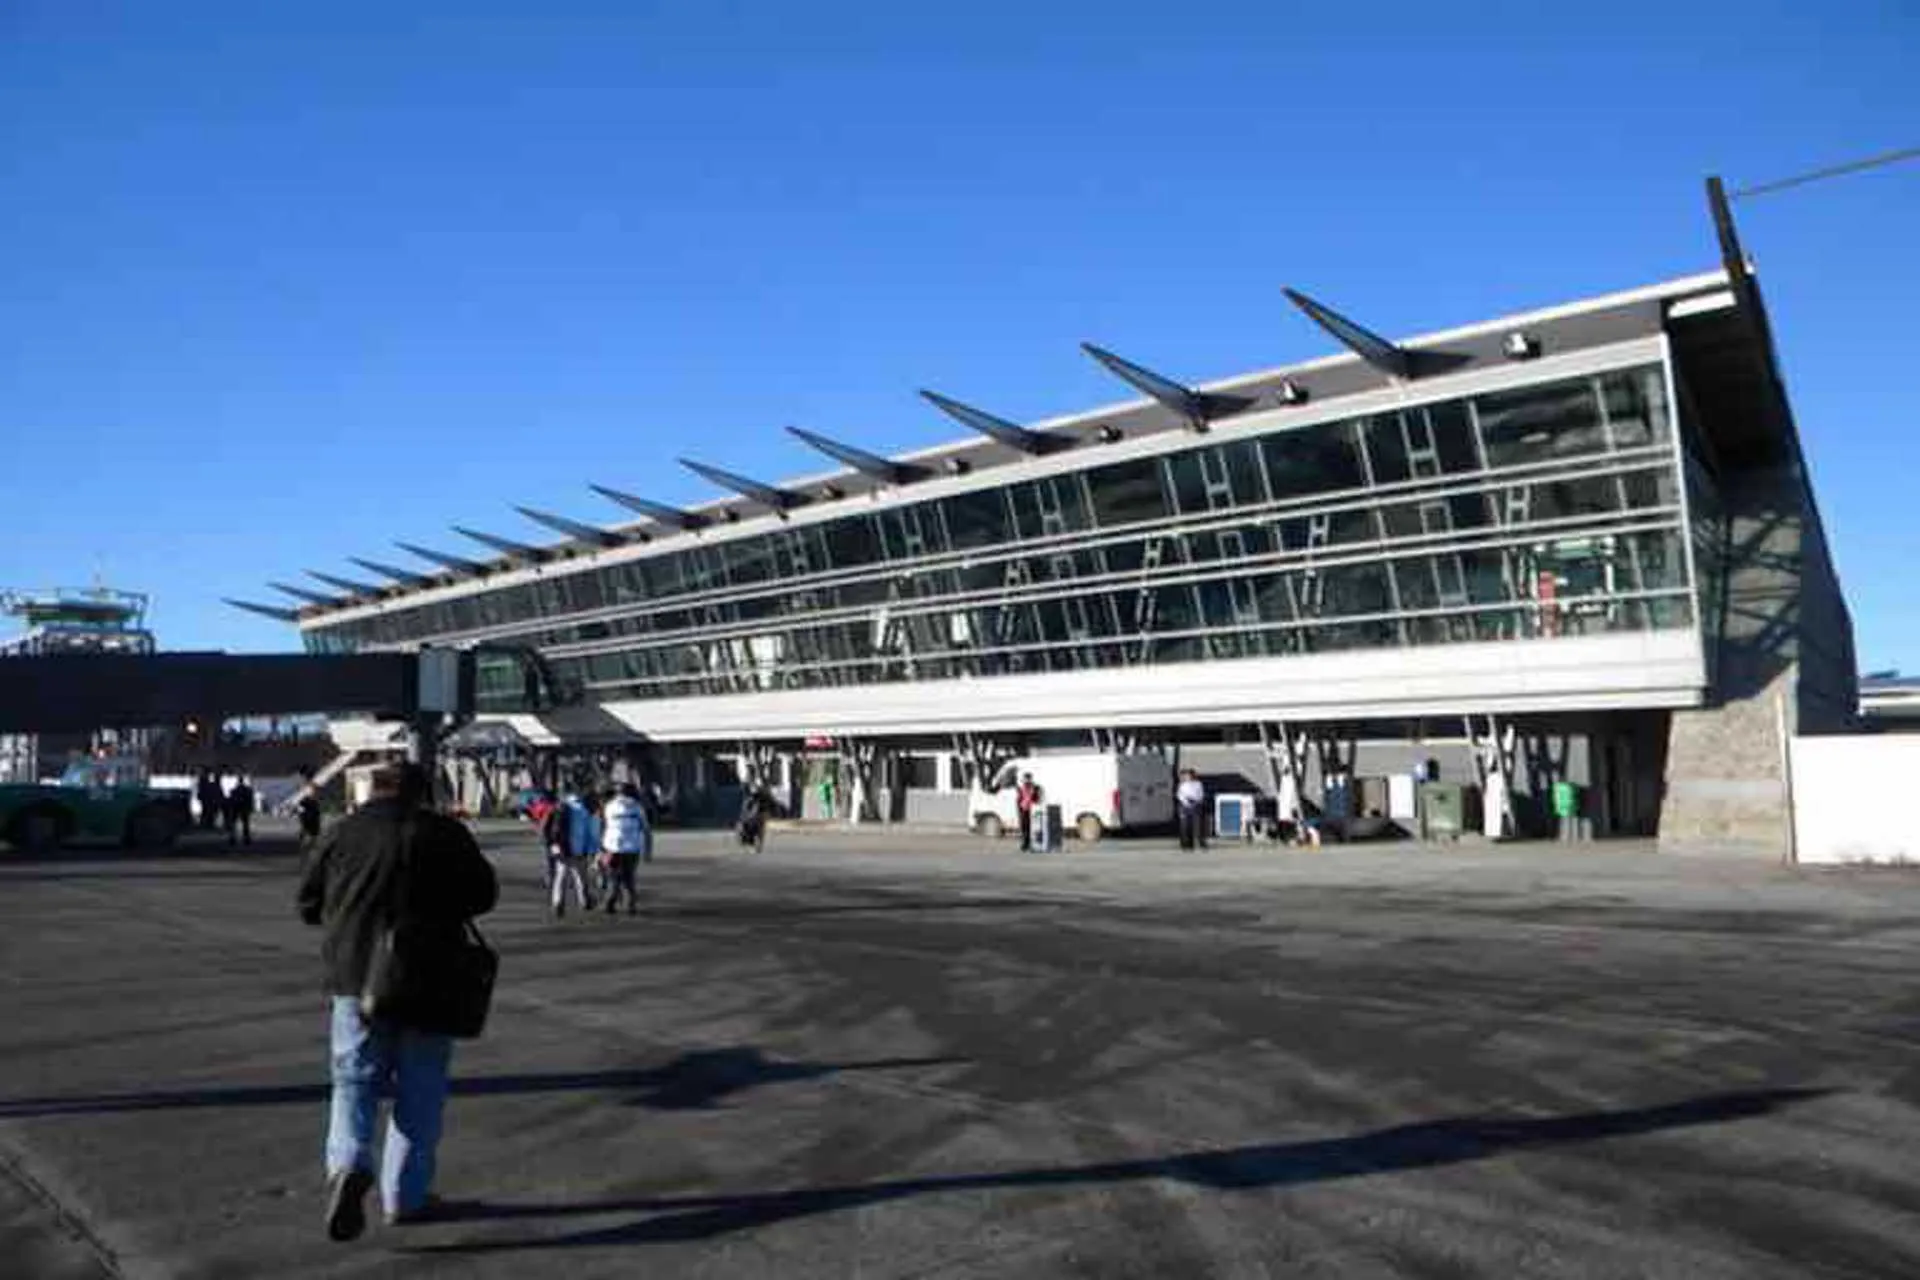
[(227, 807), (599, 839)]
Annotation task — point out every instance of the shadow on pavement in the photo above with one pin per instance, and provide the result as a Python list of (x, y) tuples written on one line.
[(264, 849), (691, 1082), (108, 873), (778, 911), (1417, 1146)]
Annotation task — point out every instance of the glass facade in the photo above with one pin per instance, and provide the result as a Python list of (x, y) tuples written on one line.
[(1545, 511)]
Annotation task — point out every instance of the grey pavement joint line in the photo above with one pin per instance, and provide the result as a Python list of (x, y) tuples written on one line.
[(13, 1166)]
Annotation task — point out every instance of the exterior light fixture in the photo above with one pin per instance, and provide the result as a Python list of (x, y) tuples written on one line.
[(1520, 346), (832, 492), (1291, 392), (959, 466), (1109, 434)]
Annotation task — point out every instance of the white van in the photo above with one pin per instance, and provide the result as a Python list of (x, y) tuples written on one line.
[(1097, 792)]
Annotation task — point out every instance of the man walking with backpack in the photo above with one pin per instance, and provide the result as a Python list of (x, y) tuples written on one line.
[(393, 866)]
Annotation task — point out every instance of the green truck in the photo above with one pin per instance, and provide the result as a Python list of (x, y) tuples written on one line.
[(98, 799)]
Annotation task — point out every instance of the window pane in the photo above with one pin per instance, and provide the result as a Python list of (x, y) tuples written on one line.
[(1126, 492), (1636, 406), (748, 560), (1356, 588), (1452, 431), (586, 590), (1335, 528), (1560, 498), (978, 519), (1386, 450), (1538, 423), (663, 575), (1186, 481), (1317, 459), (853, 542)]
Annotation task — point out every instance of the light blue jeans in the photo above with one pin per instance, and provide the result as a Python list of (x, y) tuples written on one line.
[(370, 1062)]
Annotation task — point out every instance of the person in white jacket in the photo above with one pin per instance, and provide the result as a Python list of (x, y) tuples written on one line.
[(624, 839)]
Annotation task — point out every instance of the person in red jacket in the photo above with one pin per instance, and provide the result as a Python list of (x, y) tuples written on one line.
[(1026, 798)]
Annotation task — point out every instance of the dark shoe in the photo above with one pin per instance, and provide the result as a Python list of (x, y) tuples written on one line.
[(346, 1207)]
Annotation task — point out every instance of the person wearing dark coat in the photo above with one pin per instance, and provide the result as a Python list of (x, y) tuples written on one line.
[(393, 858), (236, 810), (308, 809)]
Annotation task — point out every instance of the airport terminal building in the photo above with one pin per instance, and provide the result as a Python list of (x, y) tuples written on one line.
[(1577, 544)]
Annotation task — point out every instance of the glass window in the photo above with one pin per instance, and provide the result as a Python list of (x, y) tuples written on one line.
[(1635, 402), (1230, 544), (1435, 515), (587, 590), (1330, 529), (747, 560), (852, 542), (554, 595), (624, 583), (1356, 588), (919, 773), (908, 533), (798, 553), (978, 519), (1451, 429), (1050, 506), (703, 569), (1535, 424), (1316, 459), (1187, 482), (1128, 492)]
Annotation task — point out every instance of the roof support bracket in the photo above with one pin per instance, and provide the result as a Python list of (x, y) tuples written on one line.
[(1394, 361), (1198, 407)]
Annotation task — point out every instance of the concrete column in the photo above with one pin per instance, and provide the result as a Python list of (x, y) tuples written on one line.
[(1782, 661)]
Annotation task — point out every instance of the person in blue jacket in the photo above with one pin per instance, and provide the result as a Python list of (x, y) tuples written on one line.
[(572, 837)]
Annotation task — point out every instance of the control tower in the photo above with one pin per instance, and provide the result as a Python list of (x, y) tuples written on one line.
[(70, 620)]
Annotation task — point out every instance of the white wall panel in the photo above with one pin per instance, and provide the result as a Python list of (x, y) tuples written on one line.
[(1655, 669), (1853, 798)]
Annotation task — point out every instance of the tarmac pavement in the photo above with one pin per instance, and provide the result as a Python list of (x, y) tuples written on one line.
[(908, 1055)]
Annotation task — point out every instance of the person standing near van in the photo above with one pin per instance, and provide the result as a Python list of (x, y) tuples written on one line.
[(1191, 799), (1026, 798)]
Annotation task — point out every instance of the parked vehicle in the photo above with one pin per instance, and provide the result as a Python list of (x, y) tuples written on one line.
[(99, 799), (1097, 792)]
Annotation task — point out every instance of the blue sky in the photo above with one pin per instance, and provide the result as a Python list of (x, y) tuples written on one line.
[(285, 282)]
